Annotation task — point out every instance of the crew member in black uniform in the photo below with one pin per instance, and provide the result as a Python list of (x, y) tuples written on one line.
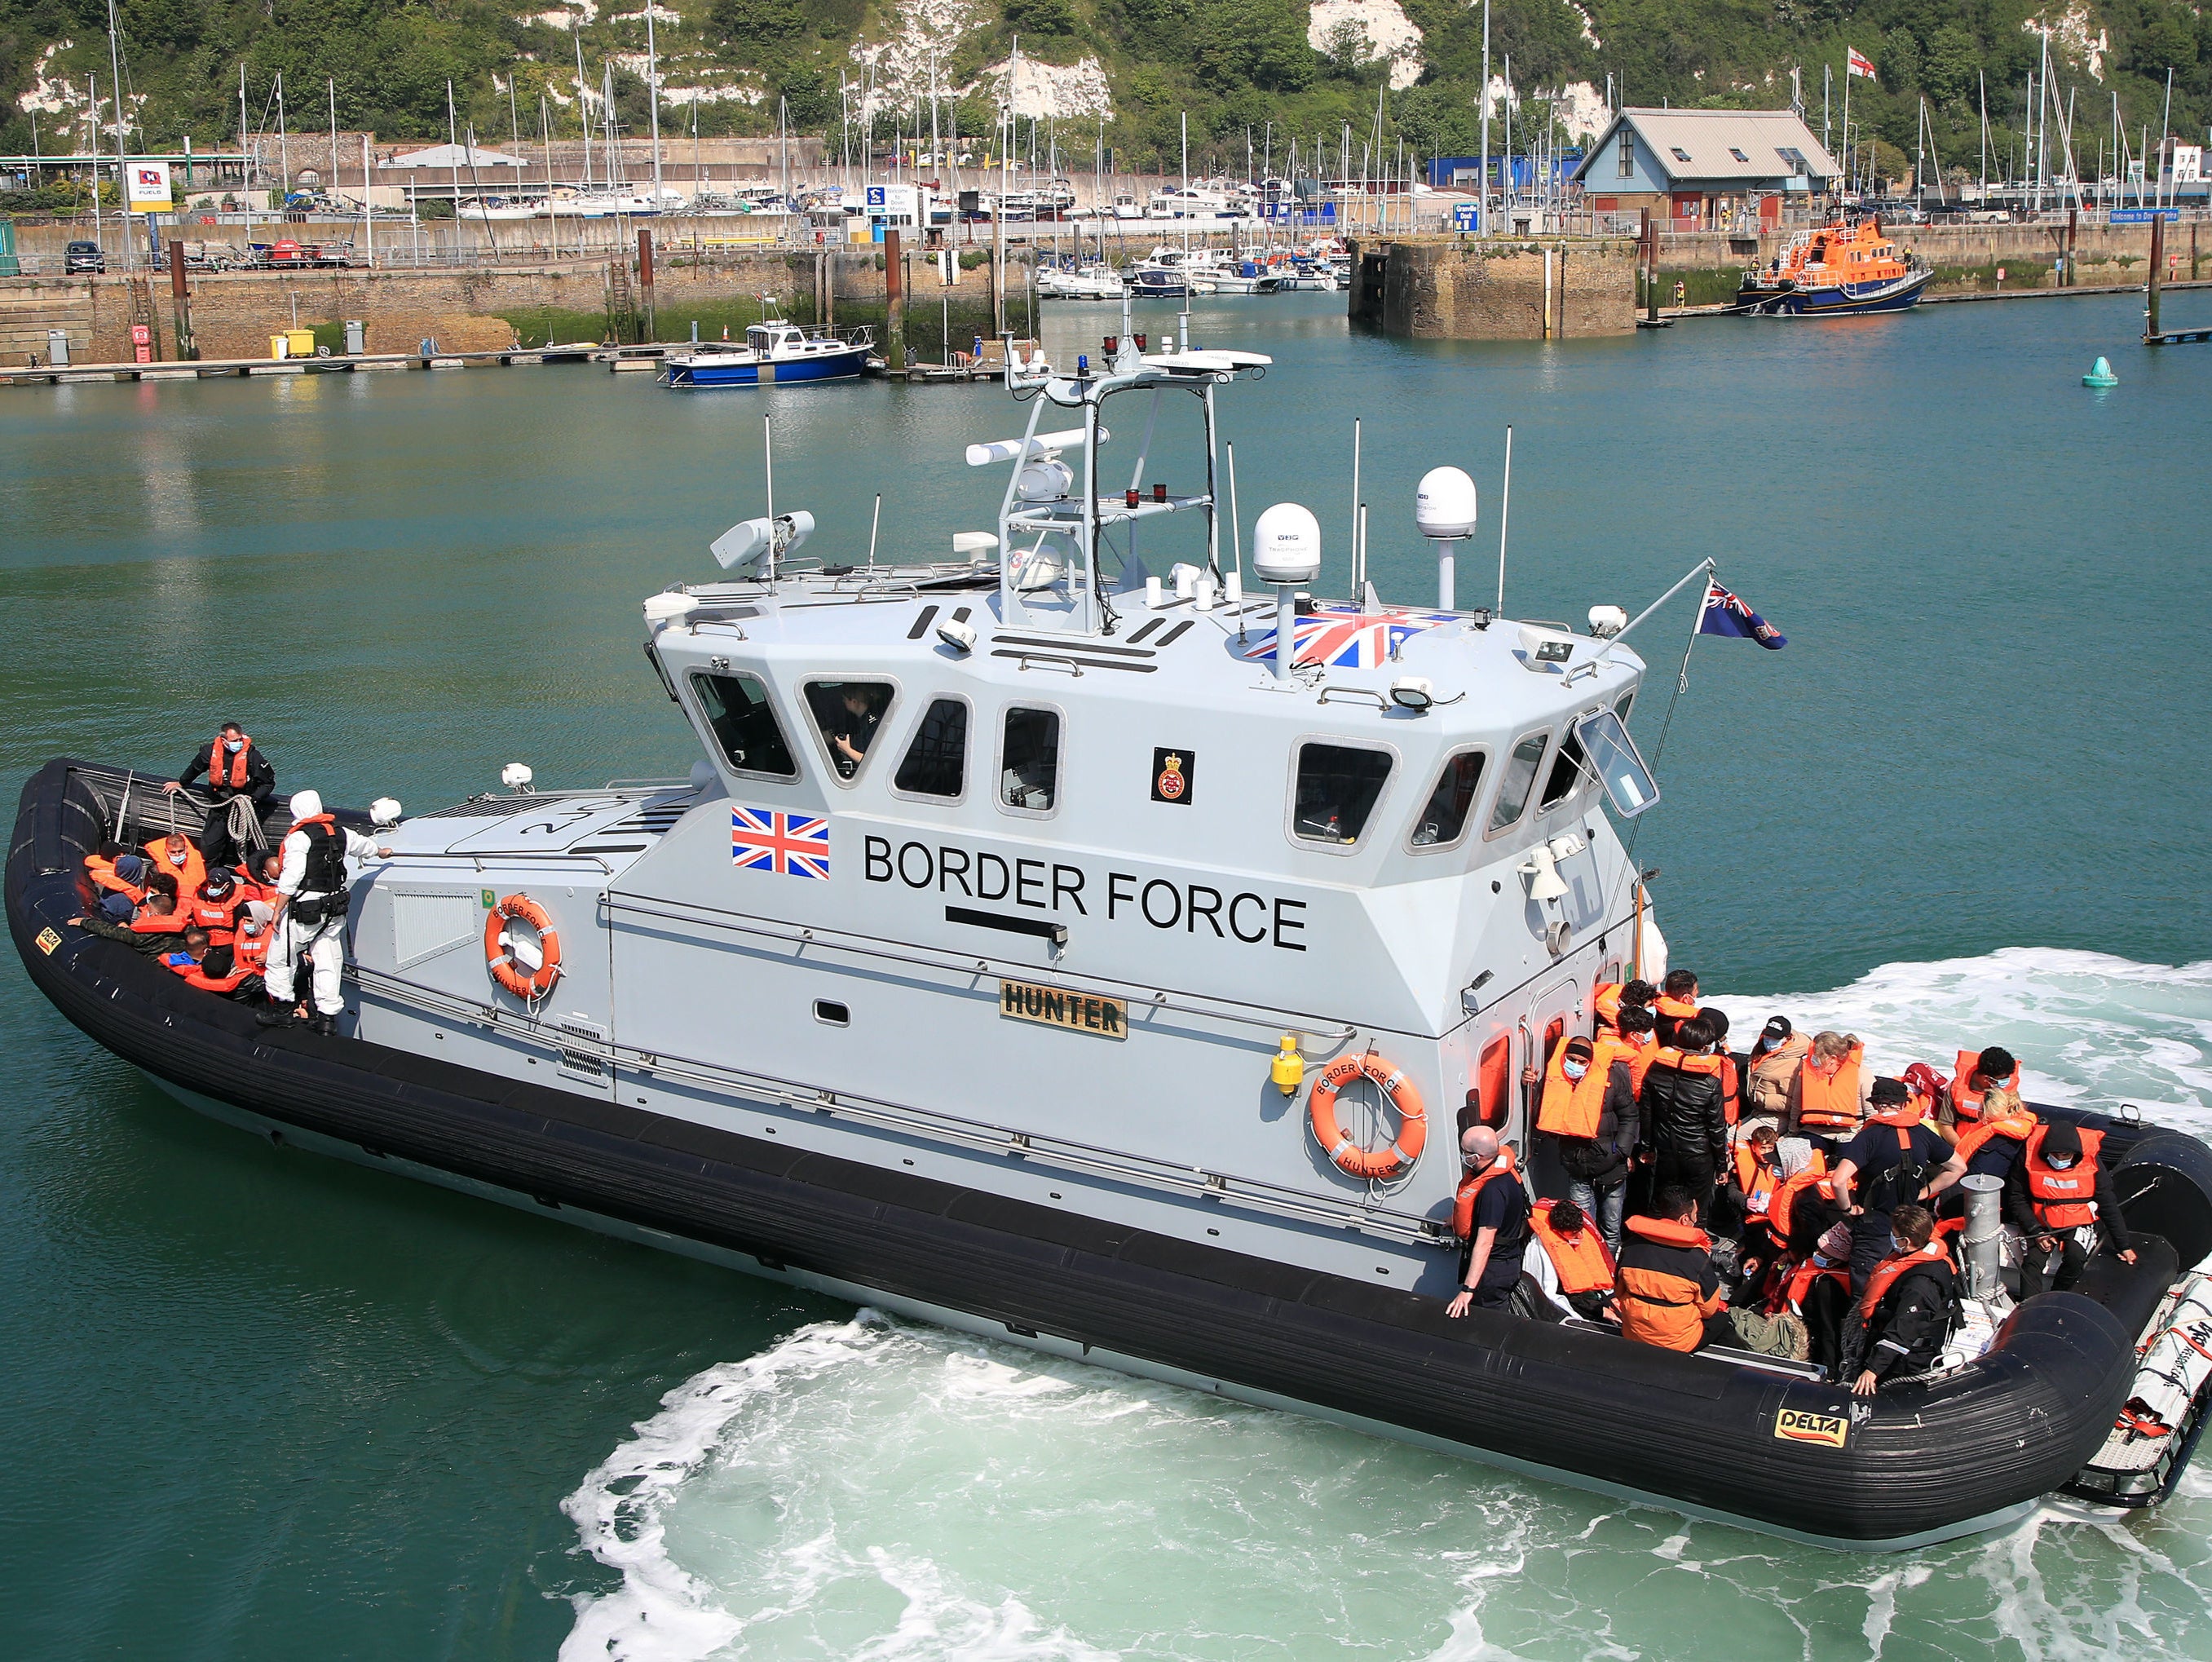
[(235, 768)]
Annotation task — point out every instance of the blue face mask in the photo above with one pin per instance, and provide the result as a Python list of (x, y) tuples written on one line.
[(2061, 1162), (1574, 1069), (233, 745), (1896, 1245)]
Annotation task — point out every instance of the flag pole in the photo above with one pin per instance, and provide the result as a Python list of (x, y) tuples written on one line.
[(1703, 568)]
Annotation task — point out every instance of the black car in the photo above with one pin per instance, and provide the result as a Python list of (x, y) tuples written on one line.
[(84, 257)]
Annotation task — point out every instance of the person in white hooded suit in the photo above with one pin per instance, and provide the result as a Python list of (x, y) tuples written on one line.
[(311, 895)]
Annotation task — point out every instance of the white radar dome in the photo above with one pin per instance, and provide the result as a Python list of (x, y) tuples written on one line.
[(1445, 504), (1286, 545)]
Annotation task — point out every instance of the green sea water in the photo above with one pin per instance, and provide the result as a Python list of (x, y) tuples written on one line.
[(261, 1405)]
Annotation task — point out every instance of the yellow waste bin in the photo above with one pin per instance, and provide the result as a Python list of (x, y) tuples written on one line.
[(301, 343), (277, 344)]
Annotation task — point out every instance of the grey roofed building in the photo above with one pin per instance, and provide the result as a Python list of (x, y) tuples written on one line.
[(1696, 162)]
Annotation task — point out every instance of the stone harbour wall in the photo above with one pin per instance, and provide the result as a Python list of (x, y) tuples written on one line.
[(1451, 288)]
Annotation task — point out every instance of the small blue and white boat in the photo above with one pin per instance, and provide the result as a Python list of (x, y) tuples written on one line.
[(774, 352)]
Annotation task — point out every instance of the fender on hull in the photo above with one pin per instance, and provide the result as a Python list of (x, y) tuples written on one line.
[(1794, 1457)]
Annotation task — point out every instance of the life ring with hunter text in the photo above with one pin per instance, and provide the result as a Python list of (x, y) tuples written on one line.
[(1397, 1090), (499, 955)]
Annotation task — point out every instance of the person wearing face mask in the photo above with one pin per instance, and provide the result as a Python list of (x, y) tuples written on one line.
[(233, 767), (1902, 1318), (1588, 1110), (1490, 1215), (2058, 1195), (1683, 1116)]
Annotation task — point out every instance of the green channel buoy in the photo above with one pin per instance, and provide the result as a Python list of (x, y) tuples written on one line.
[(2102, 376)]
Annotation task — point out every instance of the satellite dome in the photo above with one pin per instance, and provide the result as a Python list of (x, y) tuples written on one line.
[(1286, 545), (1445, 504)]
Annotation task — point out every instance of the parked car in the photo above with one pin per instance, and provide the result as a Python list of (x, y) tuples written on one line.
[(83, 257)]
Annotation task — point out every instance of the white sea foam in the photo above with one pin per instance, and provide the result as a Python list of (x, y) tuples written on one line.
[(868, 1489)]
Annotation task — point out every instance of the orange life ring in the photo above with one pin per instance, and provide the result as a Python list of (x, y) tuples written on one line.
[(504, 970), (1348, 1156)]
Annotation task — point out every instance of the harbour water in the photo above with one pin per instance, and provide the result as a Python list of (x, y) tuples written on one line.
[(262, 1405)]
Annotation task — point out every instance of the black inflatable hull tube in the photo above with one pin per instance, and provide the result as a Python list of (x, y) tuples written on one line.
[(1917, 1463)]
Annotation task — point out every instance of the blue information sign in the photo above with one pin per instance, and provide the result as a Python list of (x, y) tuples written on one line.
[(2142, 215)]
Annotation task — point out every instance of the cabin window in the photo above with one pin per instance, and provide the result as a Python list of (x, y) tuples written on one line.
[(1520, 780), (1627, 155), (1627, 703), (936, 760), (1029, 761), (848, 715), (1566, 773), (1337, 789), (744, 725), (1444, 817)]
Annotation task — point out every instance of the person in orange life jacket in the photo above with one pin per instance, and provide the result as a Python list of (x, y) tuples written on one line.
[(119, 874), (311, 914), (1667, 1292), (1929, 1090), (2058, 1188), (1611, 1001), (262, 870), (1676, 1004), (1566, 1269), (1897, 1159), (1817, 1288), (1755, 1176), (1587, 1113), (1977, 1072), (1491, 1216), (1832, 1092), (174, 855), (1637, 1044), (152, 927), (1731, 1075), (1772, 1068), (1682, 1115), (1903, 1314), (234, 767), (215, 906), (190, 950), (1993, 1144)]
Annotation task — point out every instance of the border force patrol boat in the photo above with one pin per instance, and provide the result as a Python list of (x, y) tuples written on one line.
[(1103, 959)]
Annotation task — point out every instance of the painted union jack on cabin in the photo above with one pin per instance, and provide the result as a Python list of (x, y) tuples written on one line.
[(1340, 636), (789, 844)]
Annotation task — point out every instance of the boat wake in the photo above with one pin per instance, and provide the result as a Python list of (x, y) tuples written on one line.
[(872, 1489)]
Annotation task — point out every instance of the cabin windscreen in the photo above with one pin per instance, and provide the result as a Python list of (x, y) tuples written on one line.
[(1628, 782), (849, 714), (744, 724), (1566, 773), (1443, 819), (1337, 790), (1520, 780), (936, 760)]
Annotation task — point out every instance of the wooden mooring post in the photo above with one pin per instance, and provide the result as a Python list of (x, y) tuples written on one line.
[(894, 304), (645, 282), (2157, 263), (181, 303)]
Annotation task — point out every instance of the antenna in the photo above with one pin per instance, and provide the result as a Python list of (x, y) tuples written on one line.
[(1355, 508), (1235, 529), (1504, 507), (874, 519), (768, 452)]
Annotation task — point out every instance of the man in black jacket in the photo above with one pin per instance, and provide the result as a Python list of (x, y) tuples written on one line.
[(235, 766), (1681, 1113), (1900, 1322)]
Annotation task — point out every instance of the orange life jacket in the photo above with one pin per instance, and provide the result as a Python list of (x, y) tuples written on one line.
[(215, 916), (1664, 1307), (1814, 1175), (1802, 1280), (2019, 1127), (1886, 1273), (175, 922), (1470, 1191), (1638, 1049), (250, 952), (1966, 1101), (101, 870), (217, 760), (1571, 1107), (1829, 1100), (2063, 1200), (1675, 1009), (189, 873), (1668, 1057), (1604, 1000), (1583, 1263), (1758, 1181), (1731, 1090)]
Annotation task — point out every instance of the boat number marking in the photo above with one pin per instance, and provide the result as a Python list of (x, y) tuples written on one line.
[(1054, 1007), (48, 941), (1794, 1425), (1255, 919)]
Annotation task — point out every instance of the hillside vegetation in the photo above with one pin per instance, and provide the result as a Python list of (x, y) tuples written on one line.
[(1234, 66)]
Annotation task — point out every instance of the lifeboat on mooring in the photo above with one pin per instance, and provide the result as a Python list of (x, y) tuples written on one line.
[(1834, 269)]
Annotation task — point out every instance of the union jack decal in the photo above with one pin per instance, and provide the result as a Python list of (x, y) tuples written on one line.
[(1340, 636), (789, 844)]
